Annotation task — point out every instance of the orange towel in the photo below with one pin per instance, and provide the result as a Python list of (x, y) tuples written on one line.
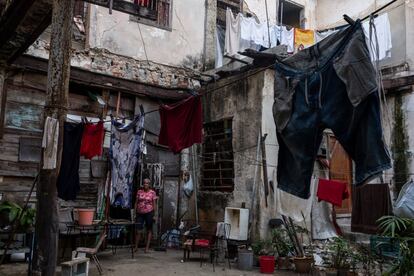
[(303, 39)]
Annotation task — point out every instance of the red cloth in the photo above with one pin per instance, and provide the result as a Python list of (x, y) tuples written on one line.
[(202, 243), (92, 140), (142, 2), (332, 191), (181, 124)]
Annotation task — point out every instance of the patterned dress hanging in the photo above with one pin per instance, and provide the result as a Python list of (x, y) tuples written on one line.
[(125, 152)]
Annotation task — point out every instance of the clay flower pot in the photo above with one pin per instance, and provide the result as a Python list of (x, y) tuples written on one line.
[(283, 263), (303, 264)]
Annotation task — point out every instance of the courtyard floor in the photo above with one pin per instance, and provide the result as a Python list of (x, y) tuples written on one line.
[(153, 263)]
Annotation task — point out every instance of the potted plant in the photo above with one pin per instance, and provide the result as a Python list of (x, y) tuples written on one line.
[(13, 213), (261, 248), (283, 247), (303, 260), (402, 230), (339, 257)]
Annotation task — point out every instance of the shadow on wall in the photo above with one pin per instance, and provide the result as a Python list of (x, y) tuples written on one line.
[(192, 62)]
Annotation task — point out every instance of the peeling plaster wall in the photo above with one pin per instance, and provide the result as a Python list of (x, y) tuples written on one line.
[(183, 45), (104, 62), (242, 101)]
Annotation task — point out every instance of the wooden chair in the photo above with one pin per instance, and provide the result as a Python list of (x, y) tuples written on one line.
[(93, 251)]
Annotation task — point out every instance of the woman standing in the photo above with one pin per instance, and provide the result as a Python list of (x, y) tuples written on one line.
[(145, 206)]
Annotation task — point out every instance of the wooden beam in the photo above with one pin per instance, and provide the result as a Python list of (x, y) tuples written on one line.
[(9, 21), (123, 6), (391, 84), (93, 79), (57, 90)]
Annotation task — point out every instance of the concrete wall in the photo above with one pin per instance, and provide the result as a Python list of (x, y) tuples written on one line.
[(329, 14), (182, 45), (242, 101)]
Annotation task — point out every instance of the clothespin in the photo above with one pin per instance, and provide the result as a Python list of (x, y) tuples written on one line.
[(349, 19), (141, 109), (111, 4)]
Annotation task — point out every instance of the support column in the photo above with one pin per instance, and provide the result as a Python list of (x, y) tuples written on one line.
[(56, 106)]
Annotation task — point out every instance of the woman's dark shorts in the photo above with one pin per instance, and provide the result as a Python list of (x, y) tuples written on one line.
[(147, 219)]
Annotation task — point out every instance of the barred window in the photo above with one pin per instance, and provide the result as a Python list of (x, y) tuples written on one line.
[(218, 162)]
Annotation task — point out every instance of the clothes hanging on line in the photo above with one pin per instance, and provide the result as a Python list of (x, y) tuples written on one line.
[(377, 198), (155, 173), (92, 139), (287, 37), (220, 37), (50, 143), (68, 179), (330, 85), (253, 32), (303, 39), (380, 30), (232, 38), (332, 191), (124, 154), (181, 124)]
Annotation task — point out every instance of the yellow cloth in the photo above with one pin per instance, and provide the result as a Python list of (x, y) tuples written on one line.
[(303, 39)]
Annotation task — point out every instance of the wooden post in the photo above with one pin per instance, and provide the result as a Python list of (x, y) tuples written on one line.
[(264, 165), (2, 97), (47, 228)]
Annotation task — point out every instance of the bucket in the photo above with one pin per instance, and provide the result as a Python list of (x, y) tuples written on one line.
[(245, 260), (85, 216), (267, 264)]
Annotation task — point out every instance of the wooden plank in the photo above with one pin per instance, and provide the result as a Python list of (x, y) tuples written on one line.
[(23, 116), (3, 98), (30, 150), (390, 84)]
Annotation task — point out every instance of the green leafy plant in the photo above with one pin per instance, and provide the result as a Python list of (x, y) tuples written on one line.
[(15, 211), (281, 242), (340, 253), (402, 230), (262, 247)]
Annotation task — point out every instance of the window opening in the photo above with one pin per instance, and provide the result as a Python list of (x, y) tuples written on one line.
[(217, 157)]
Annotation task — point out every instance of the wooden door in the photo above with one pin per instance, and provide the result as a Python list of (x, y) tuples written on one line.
[(341, 170)]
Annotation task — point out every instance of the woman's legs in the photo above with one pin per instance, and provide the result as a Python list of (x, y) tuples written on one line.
[(149, 237)]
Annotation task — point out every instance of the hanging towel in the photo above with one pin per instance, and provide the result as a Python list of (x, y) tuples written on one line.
[(220, 37), (332, 191), (383, 32), (50, 142), (369, 203), (68, 179), (92, 140), (287, 38), (304, 39), (181, 124), (124, 154), (231, 43)]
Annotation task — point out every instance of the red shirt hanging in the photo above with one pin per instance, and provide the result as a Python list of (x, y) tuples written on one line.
[(332, 191), (92, 140), (181, 124)]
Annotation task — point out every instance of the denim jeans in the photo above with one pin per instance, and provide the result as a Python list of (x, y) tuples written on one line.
[(319, 97)]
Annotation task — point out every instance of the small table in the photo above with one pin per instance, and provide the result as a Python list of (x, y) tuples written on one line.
[(112, 227)]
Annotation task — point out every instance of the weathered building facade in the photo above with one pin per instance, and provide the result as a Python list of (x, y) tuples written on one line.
[(129, 61)]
